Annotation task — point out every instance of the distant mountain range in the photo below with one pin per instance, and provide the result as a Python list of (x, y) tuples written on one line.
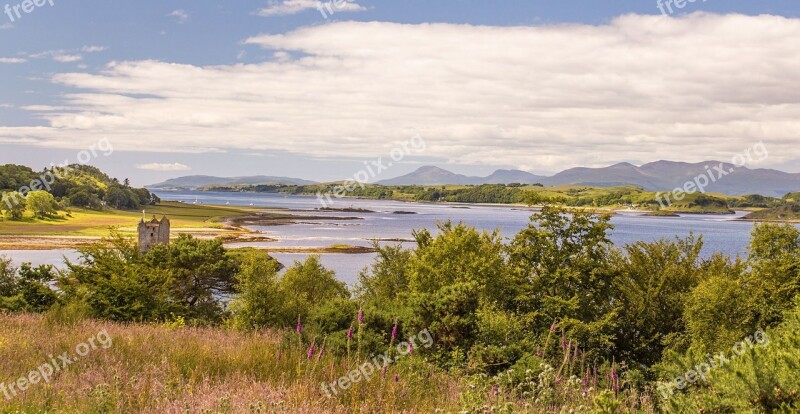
[(655, 176), (194, 182), (430, 175)]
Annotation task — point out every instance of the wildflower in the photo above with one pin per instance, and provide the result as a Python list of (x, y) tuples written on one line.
[(410, 348), (299, 325), (553, 327), (350, 332), (311, 351), (278, 356), (538, 351), (614, 378), (396, 377), (360, 316), (394, 331)]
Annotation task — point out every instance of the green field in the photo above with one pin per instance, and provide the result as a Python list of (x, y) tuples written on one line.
[(85, 222)]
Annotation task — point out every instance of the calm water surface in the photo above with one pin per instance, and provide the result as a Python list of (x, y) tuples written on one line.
[(720, 233)]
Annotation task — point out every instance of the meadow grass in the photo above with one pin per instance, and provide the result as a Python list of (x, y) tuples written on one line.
[(175, 369), (85, 222), (170, 368)]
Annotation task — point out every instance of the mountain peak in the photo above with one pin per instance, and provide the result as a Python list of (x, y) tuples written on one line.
[(431, 169), (623, 165)]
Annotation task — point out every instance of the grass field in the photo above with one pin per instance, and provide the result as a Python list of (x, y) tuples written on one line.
[(170, 369), (83, 222)]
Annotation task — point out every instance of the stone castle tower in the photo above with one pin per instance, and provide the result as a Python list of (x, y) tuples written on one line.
[(153, 232)]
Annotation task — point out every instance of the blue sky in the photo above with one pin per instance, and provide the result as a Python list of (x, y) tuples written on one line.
[(62, 90)]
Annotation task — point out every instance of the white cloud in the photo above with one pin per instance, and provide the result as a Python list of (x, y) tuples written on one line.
[(93, 49), (180, 15), (12, 60), (44, 108), (163, 167), (67, 58), (286, 7), (541, 98), (63, 56)]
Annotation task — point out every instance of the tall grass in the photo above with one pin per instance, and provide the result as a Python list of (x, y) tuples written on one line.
[(175, 369)]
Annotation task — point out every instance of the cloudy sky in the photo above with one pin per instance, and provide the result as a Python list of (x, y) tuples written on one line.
[(281, 88)]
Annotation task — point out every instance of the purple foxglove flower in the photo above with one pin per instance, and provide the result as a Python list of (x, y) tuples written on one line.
[(299, 325), (350, 332), (360, 316), (394, 331), (311, 351), (396, 378)]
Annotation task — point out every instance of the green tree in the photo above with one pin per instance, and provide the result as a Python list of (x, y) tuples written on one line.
[(188, 278), (200, 273), (761, 379), (653, 282), (775, 259), (14, 204), (719, 312), (41, 203), (561, 262), (118, 198), (309, 284), (452, 276), (112, 281), (259, 302), (387, 278), (26, 289)]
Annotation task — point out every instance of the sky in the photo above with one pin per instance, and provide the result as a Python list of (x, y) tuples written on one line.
[(154, 89)]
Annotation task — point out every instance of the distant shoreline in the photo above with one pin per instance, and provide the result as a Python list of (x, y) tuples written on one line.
[(236, 229)]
